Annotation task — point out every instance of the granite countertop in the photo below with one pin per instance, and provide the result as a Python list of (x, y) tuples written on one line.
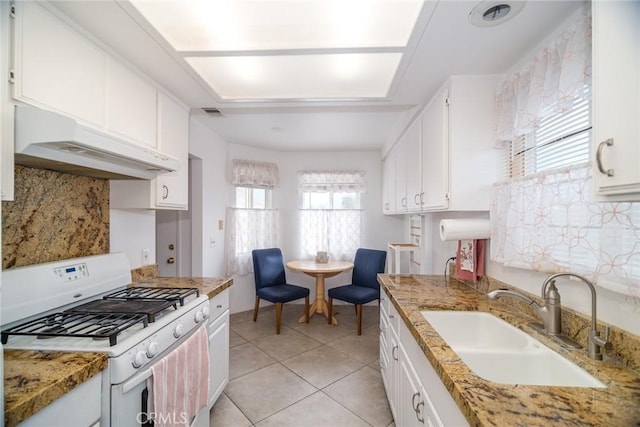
[(34, 379), (485, 403)]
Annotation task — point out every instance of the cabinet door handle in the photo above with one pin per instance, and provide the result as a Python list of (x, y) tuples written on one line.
[(420, 419), (165, 192), (394, 353), (608, 143), (415, 199), (416, 406), (413, 400), (403, 202)]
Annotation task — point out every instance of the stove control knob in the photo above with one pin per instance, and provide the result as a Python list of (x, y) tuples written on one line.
[(205, 311), (198, 316), (152, 350), (139, 359), (178, 331)]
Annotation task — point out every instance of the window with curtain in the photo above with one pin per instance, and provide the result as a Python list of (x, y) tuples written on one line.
[(330, 213), (252, 223), (543, 216)]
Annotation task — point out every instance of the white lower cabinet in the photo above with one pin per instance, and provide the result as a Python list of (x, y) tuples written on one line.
[(417, 396), (218, 329)]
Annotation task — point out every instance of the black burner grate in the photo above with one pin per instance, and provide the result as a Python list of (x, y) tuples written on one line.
[(72, 324), (149, 293)]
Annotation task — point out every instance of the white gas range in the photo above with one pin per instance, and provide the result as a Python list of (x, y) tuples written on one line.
[(84, 304)]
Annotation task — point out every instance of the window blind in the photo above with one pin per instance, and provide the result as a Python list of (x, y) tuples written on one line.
[(558, 141)]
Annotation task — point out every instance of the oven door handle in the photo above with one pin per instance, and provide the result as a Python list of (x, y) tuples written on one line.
[(130, 384)]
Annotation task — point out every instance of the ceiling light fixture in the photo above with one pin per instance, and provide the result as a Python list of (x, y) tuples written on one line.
[(273, 50), (490, 13)]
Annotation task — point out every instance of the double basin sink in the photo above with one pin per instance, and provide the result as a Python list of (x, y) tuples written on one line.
[(498, 351)]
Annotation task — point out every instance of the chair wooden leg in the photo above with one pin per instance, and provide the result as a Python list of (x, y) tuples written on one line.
[(330, 310), (278, 316), (359, 317), (255, 309), (306, 309)]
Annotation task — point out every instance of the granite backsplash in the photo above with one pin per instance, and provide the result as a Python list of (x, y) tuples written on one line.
[(54, 216)]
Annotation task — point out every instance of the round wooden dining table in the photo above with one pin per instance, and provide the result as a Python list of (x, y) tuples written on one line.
[(319, 271)]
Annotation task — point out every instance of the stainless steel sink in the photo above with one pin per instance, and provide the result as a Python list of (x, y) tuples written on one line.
[(498, 351)]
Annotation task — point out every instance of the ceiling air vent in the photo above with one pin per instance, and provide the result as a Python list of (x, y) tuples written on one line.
[(212, 111)]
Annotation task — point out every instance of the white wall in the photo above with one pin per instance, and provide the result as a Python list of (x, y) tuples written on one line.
[(208, 201), (615, 309), (378, 229)]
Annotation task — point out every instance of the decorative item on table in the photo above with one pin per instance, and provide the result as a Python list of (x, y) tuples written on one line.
[(322, 257)]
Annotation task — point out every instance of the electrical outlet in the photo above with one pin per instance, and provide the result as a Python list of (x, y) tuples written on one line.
[(145, 257)]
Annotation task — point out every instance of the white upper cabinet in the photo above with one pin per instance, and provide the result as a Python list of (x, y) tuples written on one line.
[(616, 100), (168, 190), (401, 177), (413, 144), (435, 156), (6, 107), (474, 163), (55, 67), (132, 105), (458, 163), (389, 183), (172, 189)]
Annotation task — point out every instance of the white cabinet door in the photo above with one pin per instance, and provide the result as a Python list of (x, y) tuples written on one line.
[(413, 401), (413, 166), (131, 105), (389, 183), (393, 373), (168, 190), (219, 353), (435, 154), (616, 99), (172, 188), (218, 329), (401, 176), (56, 68), (6, 106)]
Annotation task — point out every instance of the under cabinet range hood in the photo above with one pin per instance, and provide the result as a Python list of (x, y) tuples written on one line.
[(44, 139)]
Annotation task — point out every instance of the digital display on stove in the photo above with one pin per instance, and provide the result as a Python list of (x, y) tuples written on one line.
[(69, 269)]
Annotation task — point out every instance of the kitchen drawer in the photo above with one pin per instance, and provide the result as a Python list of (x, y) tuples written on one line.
[(218, 305), (394, 317)]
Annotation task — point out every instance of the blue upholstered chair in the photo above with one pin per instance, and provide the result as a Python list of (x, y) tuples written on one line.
[(271, 283), (364, 285)]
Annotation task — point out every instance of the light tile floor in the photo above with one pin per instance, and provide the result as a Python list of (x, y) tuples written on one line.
[(309, 375)]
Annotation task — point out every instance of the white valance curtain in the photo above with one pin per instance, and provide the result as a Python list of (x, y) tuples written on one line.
[(248, 173), (335, 181), (548, 84), (546, 222), (249, 229)]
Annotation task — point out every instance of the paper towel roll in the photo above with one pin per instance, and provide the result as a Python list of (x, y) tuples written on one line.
[(464, 229)]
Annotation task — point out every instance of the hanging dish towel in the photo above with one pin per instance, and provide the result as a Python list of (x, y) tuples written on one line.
[(179, 384), (470, 259)]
